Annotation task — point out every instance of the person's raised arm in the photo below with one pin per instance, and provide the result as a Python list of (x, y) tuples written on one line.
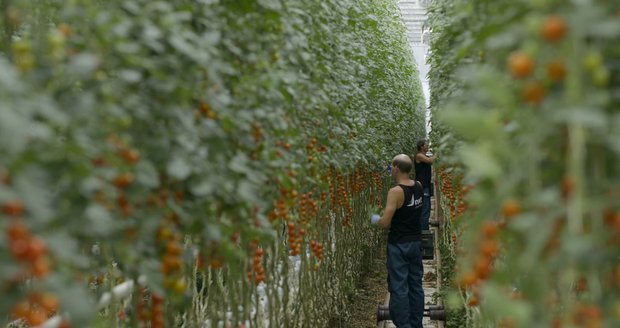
[(390, 207), (424, 159)]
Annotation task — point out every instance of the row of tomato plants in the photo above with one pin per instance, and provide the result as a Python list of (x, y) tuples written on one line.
[(525, 114), (220, 155)]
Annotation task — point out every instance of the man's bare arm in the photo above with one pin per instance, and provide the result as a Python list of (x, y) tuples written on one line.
[(424, 159), (390, 208)]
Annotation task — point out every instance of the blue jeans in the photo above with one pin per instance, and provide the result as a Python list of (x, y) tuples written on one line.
[(426, 209), (404, 265)]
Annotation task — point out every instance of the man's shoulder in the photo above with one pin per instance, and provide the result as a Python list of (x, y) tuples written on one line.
[(399, 188), (396, 191)]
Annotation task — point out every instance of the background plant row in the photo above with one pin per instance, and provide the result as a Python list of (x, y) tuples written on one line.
[(526, 114), (129, 129)]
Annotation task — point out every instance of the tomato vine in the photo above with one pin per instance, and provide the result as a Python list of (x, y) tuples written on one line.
[(525, 114), (221, 156)]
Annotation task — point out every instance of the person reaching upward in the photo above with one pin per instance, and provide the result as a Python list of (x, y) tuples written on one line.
[(423, 173)]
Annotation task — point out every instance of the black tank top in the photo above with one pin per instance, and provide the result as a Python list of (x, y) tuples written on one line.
[(406, 225), (423, 174)]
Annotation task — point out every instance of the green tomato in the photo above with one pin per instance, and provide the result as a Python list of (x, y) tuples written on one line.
[(592, 61), (125, 122), (600, 77), (533, 23), (21, 47), (56, 39), (100, 75), (25, 62)]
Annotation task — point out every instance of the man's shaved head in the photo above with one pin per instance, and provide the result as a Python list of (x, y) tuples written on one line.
[(403, 163)]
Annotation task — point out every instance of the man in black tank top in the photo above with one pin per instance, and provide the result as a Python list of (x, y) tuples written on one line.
[(404, 250)]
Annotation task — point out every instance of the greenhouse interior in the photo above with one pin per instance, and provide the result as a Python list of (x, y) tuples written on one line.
[(309, 164)]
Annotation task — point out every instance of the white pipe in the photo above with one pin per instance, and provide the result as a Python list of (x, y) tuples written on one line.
[(53, 322), (119, 291)]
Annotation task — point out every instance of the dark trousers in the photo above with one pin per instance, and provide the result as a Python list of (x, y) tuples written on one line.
[(404, 264), (426, 209)]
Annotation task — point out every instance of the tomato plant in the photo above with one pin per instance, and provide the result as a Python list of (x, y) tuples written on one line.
[(526, 114), (219, 156)]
